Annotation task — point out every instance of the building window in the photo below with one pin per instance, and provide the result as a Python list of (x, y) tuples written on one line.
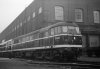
[(59, 13), (78, 15), (21, 24), (24, 21), (40, 10), (28, 19), (96, 16), (17, 26), (12, 29), (33, 14)]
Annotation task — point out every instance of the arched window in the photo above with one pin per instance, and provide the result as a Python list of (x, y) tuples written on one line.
[(33, 14), (40, 10), (28, 19), (59, 13), (21, 24), (78, 15), (96, 16)]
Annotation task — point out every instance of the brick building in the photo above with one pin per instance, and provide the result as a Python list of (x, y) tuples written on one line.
[(41, 13)]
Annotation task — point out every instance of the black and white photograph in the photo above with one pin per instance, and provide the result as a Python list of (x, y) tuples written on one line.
[(49, 34)]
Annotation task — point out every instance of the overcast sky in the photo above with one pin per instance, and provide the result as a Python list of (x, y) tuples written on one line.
[(10, 9)]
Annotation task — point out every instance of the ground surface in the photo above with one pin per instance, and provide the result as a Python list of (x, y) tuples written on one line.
[(6, 63), (89, 59)]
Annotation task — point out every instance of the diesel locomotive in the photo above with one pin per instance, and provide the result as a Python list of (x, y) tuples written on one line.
[(60, 41)]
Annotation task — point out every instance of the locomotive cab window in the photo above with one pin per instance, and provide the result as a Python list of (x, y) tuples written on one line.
[(72, 30), (64, 29), (57, 30)]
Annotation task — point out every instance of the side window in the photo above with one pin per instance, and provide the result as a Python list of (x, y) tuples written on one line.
[(46, 34), (36, 43), (31, 38), (41, 42), (27, 39), (56, 40), (42, 34), (16, 41), (56, 30), (59, 29), (20, 40), (36, 36)]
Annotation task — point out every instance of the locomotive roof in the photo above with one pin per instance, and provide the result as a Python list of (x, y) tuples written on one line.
[(49, 27), (59, 24)]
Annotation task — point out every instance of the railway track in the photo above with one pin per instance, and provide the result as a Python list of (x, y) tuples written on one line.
[(66, 65)]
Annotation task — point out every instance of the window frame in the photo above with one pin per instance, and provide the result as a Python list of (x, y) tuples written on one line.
[(40, 10), (78, 15), (63, 29), (59, 15), (33, 15), (96, 17)]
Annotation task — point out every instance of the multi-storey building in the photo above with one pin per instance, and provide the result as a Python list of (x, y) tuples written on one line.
[(41, 13)]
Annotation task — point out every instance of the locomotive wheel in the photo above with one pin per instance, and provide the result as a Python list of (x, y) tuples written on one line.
[(38, 55), (97, 54), (68, 55), (89, 54), (48, 55), (56, 55)]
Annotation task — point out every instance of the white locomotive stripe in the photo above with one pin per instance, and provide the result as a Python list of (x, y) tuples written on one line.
[(47, 37), (34, 48), (59, 46), (44, 47), (47, 47)]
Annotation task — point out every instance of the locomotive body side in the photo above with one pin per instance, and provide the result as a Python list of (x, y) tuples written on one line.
[(56, 42)]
